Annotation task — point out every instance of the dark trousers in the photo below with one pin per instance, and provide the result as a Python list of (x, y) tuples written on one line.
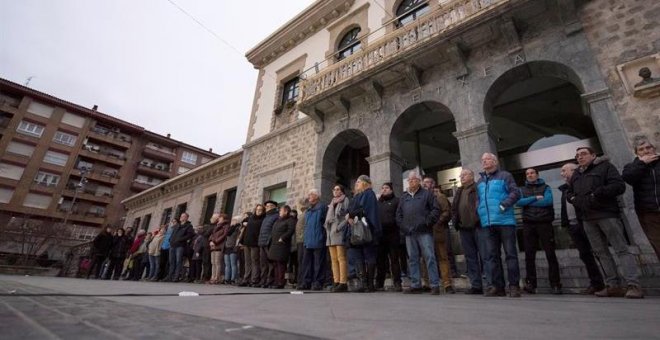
[(206, 264), (279, 268), (116, 265), (195, 269), (502, 237), (650, 221), (164, 263), (544, 232), (586, 255), (403, 259), (313, 267), (450, 254), (267, 269), (300, 254), (292, 267), (252, 265), (474, 248), (138, 267), (96, 266), (388, 260)]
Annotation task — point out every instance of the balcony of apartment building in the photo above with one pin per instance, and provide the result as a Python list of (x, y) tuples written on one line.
[(90, 192), (9, 103), (396, 56), (103, 153), (4, 122), (82, 212), (160, 152), (110, 135), (154, 168), (142, 182)]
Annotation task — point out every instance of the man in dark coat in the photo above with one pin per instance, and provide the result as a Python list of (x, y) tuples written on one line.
[(593, 191), (100, 250), (206, 251), (643, 174), (179, 243), (388, 248), (265, 233)]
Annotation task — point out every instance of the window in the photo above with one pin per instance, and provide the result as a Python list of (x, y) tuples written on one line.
[(136, 223), (82, 165), (64, 138), (209, 207), (180, 209), (11, 171), (349, 44), (83, 233), (291, 90), (47, 179), (56, 158), (6, 194), (20, 148), (182, 170), (409, 10), (230, 199), (29, 128), (73, 120), (167, 216), (39, 201), (277, 194), (189, 157), (41, 109), (146, 221)]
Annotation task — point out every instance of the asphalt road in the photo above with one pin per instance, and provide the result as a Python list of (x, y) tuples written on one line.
[(43, 308)]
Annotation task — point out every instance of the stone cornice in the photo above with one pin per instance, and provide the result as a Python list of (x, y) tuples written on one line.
[(309, 21), (223, 167), (277, 132)]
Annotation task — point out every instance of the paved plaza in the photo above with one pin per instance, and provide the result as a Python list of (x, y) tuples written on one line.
[(48, 308)]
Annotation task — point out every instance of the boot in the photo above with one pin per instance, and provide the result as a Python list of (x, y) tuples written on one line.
[(371, 271), (362, 277)]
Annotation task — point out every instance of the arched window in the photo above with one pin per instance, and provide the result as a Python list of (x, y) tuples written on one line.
[(349, 44), (409, 10)]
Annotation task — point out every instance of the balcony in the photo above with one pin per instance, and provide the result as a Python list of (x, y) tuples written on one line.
[(110, 137), (155, 170), (154, 151), (106, 176), (381, 55), (81, 214), (103, 156), (89, 195), (141, 186)]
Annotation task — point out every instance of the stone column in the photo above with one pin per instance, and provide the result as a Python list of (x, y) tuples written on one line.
[(195, 206), (472, 143), (615, 145), (386, 167)]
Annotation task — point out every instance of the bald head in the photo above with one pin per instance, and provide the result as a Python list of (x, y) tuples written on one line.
[(567, 170)]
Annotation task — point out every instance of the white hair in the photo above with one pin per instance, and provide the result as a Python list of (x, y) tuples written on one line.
[(491, 156), (313, 192), (571, 166), (414, 174)]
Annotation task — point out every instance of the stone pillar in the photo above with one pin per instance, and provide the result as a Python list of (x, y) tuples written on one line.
[(196, 205), (386, 167), (615, 145), (472, 143)]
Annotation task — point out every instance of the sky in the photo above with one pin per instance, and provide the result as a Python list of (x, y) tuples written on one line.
[(146, 61)]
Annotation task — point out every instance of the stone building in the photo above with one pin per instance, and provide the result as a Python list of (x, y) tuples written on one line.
[(350, 87), (63, 162)]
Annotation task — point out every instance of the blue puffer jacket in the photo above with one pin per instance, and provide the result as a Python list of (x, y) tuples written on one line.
[(314, 234), (495, 190)]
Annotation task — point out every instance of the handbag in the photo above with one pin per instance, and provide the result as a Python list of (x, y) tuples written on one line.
[(360, 232)]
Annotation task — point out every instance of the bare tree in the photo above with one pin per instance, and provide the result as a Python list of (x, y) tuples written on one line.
[(31, 238)]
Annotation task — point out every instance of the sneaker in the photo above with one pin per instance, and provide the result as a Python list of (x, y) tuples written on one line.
[(529, 289), (435, 290), (474, 291), (412, 290), (450, 290), (514, 291), (556, 290), (493, 291), (610, 292), (634, 292)]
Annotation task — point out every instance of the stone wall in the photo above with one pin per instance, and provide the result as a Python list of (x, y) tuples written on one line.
[(283, 156), (620, 31)]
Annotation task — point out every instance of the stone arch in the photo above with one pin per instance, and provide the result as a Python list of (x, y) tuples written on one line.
[(352, 140), (344, 31)]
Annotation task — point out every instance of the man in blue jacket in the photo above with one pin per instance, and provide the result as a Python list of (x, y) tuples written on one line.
[(538, 214), (314, 258), (497, 193), (416, 215)]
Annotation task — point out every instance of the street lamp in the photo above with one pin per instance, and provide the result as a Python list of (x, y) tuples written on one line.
[(79, 186)]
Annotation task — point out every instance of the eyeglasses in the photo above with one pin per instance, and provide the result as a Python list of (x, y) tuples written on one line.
[(582, 154)]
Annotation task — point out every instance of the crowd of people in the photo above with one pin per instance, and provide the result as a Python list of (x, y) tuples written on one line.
[(358, 239)]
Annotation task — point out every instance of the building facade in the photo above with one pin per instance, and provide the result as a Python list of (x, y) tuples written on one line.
[(200, 192), (350, 87), (61, 162)]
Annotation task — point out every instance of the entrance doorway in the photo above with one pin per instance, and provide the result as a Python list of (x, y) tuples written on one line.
[(345, 159)]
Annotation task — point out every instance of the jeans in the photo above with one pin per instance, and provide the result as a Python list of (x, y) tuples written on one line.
[(313, 267), (602, 231), (474, 247), (154, 264), (231, 266), (422, 245), (176, 262), (586, 255), (544, 232), (498, 237)]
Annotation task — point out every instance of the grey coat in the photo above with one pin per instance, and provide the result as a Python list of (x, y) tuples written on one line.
[(335, 222)]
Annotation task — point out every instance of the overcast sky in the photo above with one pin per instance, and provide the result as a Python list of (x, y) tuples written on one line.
[(145, 61)]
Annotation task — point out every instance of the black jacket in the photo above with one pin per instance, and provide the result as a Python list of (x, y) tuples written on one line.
[(594, 190), (565, 222), (102, 244), (387, 210), (120, 246), (645, 180), (417, 214), (472, 202), (282, 228), (182, 235), (251, 234), (267, 227)]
